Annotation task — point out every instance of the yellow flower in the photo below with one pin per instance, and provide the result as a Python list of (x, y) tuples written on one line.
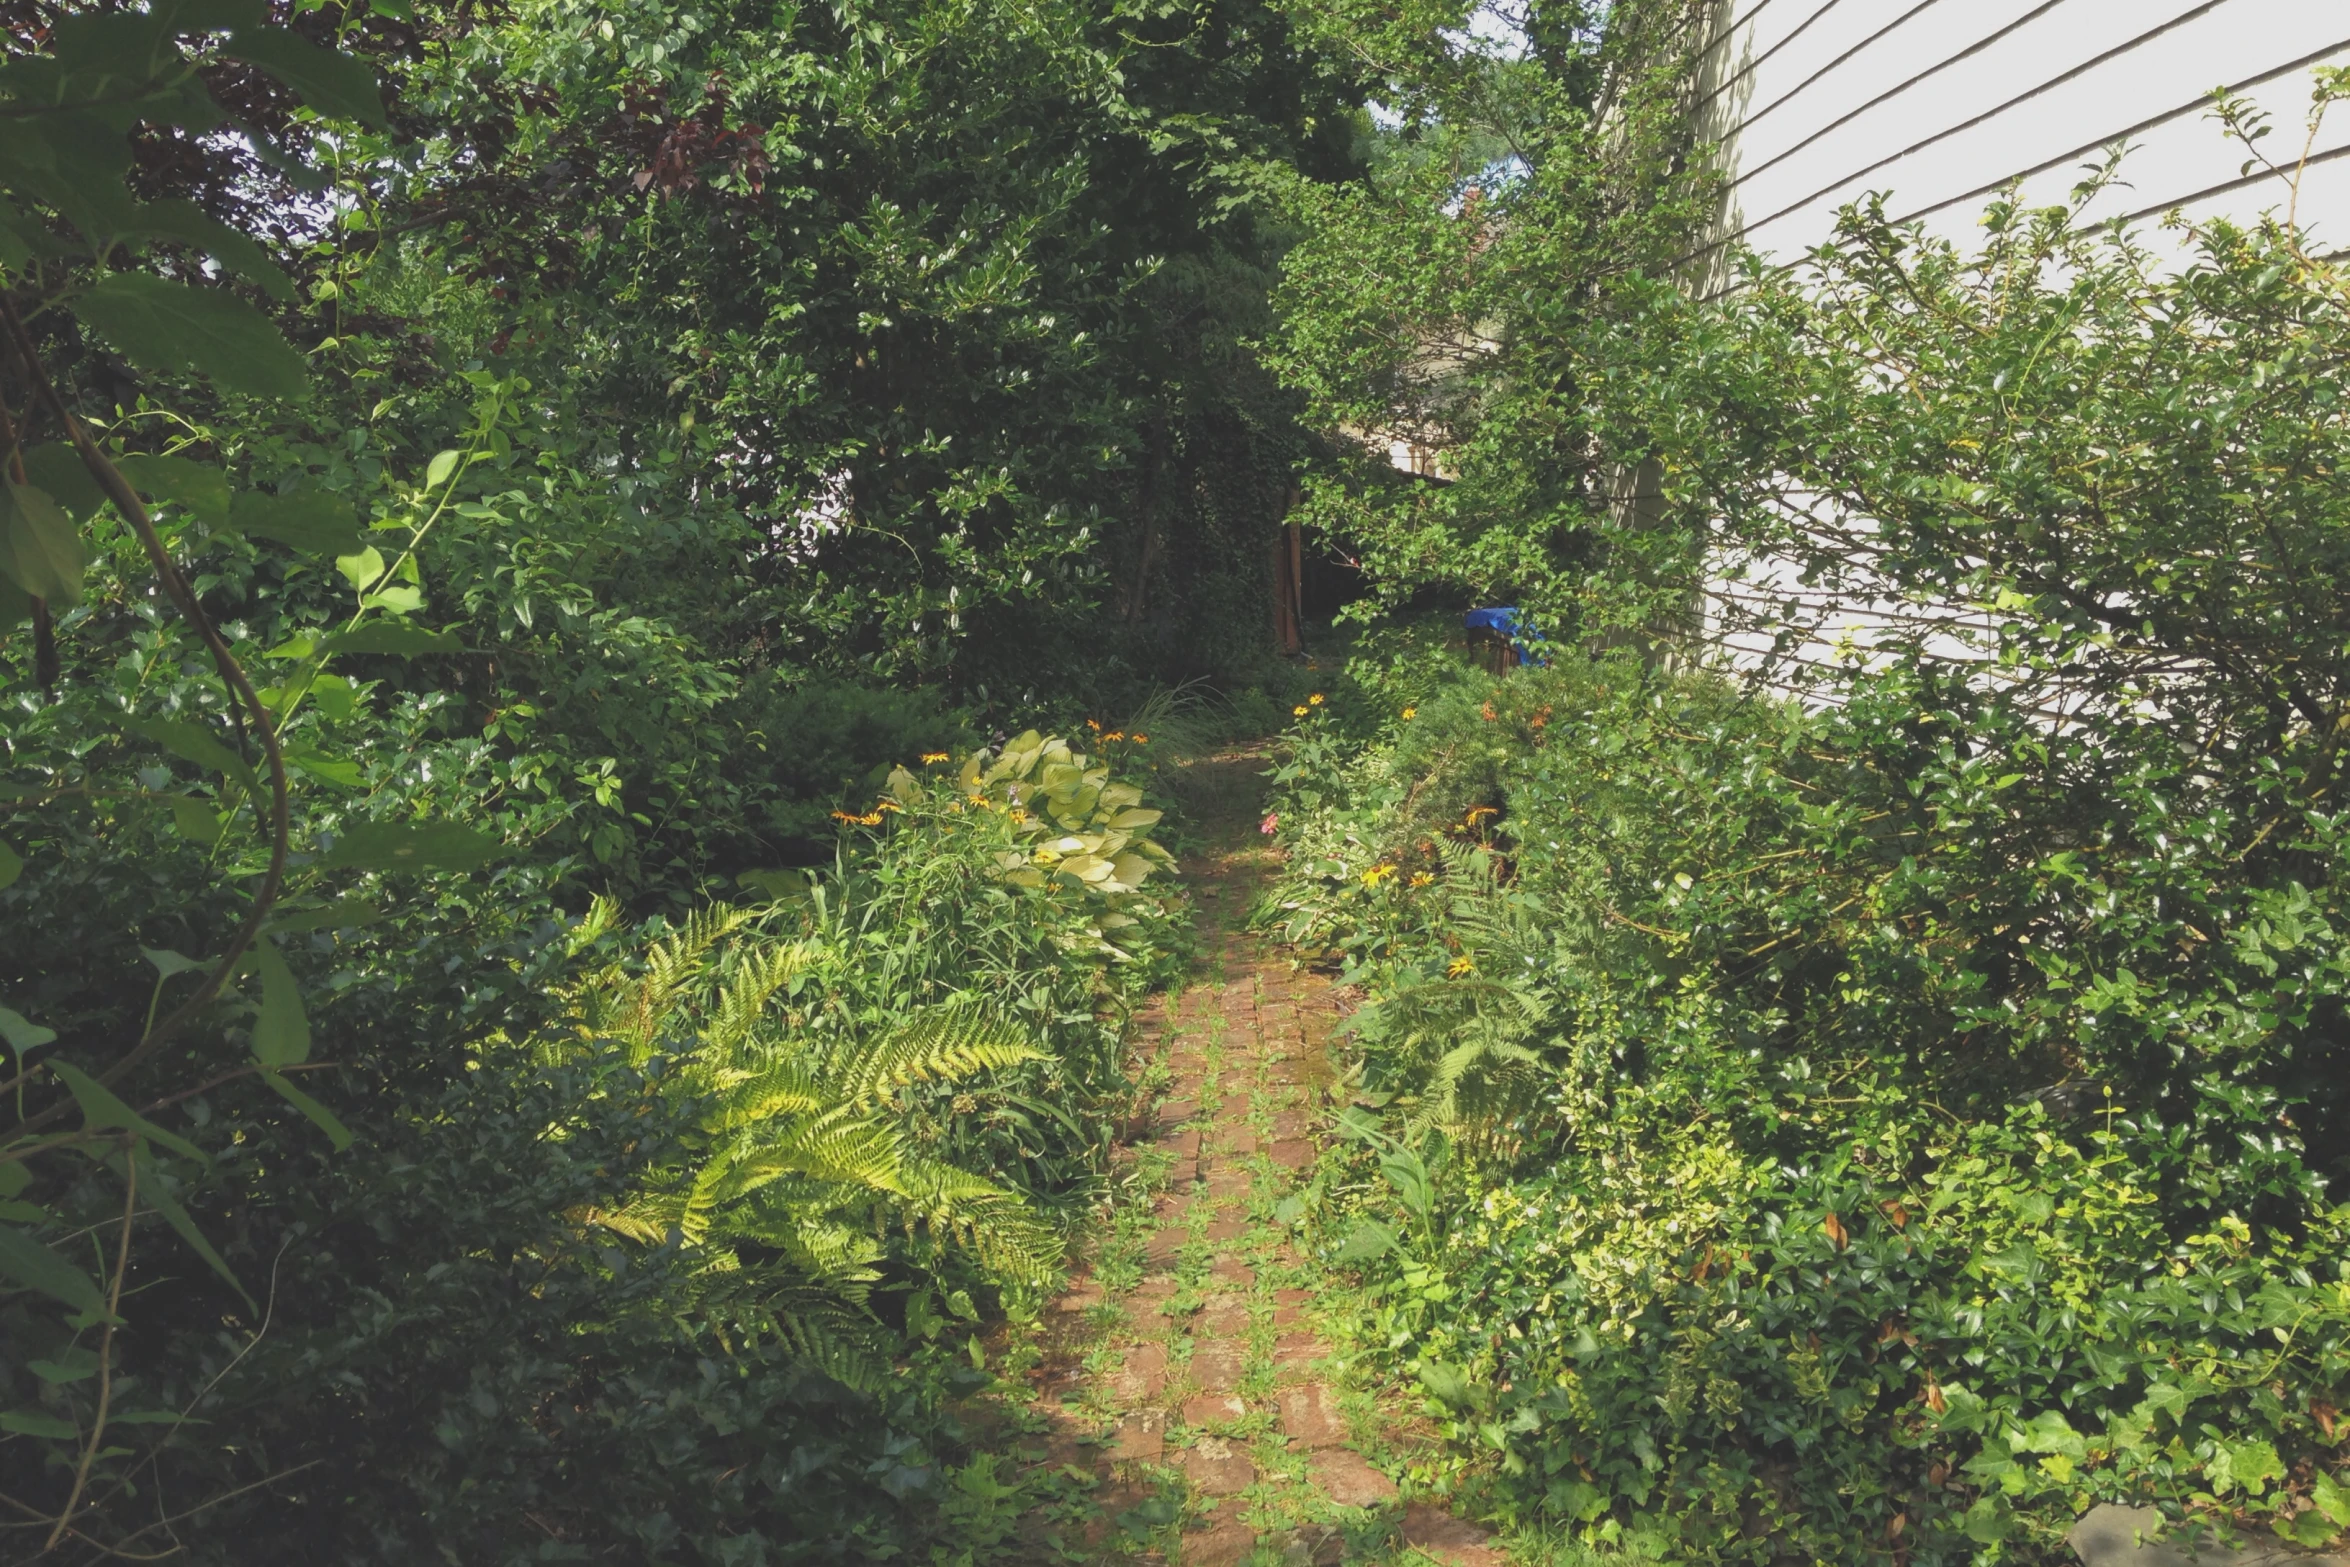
[(1459, 966), (1093, 725), (1297, 712), (1377, 874), (1315, 699), (1421, 878), (842, 816), (1142, 739), (1410, 713), (929, 757), (886, 805), (1018, 815), (1115, 734), (1478, 814)]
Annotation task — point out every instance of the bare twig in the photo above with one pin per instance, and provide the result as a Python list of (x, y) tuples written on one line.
[(122, 1268)]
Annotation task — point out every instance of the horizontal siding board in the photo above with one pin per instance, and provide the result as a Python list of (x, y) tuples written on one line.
[(1954, 125)]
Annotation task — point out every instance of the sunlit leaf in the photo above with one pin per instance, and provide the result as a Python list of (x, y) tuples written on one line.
[(281, 1033)]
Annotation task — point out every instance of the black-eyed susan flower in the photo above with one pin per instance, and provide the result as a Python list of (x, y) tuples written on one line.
[(929, 757)]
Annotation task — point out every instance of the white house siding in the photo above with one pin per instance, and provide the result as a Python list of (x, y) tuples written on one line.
[(1940, 103)]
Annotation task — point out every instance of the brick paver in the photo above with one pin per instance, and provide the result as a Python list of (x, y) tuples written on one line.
[(1203, 1376)]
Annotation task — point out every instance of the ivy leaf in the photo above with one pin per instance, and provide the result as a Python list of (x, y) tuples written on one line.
[(281, 1034), (174, 328), (336, 85), (39, 546)]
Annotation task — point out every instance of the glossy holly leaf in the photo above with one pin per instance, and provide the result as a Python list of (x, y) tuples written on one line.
[(336, 85), (410, 846), (40, 549), (200, 487), (316, 522), (173, 328)]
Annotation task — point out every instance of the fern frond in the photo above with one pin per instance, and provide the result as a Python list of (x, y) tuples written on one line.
[(743, 1000), (646, 1219), (992, 1222), (949, 1043), (835, 1148), (785, 1088)]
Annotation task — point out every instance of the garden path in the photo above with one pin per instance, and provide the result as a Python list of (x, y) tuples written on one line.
[(1185, 1374)]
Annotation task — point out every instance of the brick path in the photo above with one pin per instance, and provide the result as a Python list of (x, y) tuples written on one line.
[(1185, 1376)]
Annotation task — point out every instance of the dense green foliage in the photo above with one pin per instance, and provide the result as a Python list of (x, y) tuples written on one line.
[(1881, 1094), (501, 1063), (549, 1011)]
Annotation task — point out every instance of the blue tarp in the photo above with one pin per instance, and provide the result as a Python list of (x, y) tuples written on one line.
[(1504, 622)]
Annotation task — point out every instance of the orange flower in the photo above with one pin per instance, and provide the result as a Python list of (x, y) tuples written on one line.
[(1142, 739)]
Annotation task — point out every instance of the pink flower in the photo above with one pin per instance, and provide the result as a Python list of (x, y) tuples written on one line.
[(1269, 823)]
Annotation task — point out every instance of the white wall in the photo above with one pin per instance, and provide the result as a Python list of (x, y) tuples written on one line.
[(1942, 102)]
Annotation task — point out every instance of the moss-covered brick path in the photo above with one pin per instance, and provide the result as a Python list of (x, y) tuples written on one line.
[(1186, 1374)]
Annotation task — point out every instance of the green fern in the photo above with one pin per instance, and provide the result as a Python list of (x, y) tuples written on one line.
[(806, 1159), (1465, 1045)]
